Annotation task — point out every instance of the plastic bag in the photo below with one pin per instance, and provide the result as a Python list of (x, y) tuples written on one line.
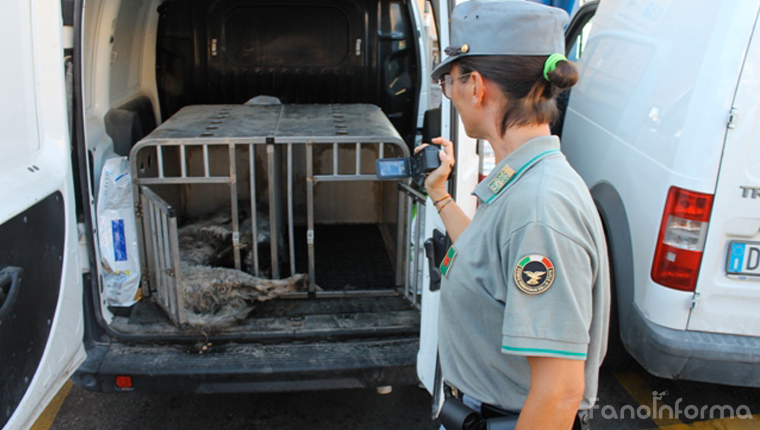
[(117, 229)]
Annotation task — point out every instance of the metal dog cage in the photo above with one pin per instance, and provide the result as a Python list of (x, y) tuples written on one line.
[(255, 151)]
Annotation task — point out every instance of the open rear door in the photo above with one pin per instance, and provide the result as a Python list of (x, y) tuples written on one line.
[(461, 185), (427, 358), (41, 325)]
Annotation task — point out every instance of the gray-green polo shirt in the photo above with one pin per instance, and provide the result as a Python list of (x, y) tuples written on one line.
[(528, 277)]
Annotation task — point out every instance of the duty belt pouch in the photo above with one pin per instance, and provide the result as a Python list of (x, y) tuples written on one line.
[(501, 423), (455, 415)]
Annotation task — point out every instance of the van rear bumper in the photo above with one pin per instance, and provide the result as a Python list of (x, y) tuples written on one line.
[(696, 356), (239, 368)]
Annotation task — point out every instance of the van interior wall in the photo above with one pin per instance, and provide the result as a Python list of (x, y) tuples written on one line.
[(301, 51)]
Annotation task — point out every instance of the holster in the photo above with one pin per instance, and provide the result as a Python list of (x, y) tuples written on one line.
[(455, 415)]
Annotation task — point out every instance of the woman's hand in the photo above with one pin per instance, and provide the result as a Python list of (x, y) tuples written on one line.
[(435, 183), (453, 217)]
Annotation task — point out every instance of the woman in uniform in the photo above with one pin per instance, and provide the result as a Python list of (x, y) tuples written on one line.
[(525, 295)]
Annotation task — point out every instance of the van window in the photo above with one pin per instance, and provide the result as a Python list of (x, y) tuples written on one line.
[(575, 52)]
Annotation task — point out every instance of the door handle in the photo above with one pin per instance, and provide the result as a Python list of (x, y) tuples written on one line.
[(10, 282)]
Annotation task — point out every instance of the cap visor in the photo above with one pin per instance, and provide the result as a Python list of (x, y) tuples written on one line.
[(444, 67)]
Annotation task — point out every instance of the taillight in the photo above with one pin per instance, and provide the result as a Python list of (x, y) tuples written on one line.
[(124, 382), (682, 239)]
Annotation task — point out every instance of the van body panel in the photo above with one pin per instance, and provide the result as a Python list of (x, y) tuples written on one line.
[(644, 217), (728, 303), (667, 127), (41, 305), (652, 110)]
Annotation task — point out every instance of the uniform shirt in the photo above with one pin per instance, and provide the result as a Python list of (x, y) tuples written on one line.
[(528, 277)]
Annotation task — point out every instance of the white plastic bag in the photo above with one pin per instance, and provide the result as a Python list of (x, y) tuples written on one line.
[(117, 231)]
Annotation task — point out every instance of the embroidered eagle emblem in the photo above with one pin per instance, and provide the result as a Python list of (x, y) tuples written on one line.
[(534, 274), (534, 277)]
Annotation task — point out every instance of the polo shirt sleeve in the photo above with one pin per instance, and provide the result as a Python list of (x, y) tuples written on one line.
[(549, 279)]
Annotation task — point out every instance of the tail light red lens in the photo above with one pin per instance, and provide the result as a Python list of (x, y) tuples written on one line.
[(683, 230), (124, 382)]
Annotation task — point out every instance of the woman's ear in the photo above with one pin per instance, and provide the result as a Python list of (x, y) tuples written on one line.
[(478, 94)]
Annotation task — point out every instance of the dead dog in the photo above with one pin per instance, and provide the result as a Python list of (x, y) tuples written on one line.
[(215, 295)]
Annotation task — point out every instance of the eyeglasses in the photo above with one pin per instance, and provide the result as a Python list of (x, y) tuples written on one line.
[(447, 81)]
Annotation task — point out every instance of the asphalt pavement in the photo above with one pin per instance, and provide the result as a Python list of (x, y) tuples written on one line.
[(626, 402)]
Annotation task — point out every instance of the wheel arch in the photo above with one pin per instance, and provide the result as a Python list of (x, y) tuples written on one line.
[(617, 229)]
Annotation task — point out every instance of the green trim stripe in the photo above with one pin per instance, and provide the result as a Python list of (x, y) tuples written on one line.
[(524, 261), (544, 350), (517, 173)]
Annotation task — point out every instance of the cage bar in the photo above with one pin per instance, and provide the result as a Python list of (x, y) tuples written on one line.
[(183, 161), (254, 212), (234, 208), (310, 213), (160, 160), (291, 245)]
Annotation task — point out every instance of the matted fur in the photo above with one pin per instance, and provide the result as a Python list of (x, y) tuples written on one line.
[(220, 296)]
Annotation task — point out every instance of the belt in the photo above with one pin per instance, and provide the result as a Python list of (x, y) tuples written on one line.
[(488, 411)]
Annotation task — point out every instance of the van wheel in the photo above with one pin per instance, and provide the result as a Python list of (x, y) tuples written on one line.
[(617, 358)]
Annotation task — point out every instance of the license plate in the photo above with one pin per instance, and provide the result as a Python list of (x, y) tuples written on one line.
[(743, 258)]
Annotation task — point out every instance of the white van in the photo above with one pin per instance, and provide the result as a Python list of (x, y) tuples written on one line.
[(662, 127), (116, 78)]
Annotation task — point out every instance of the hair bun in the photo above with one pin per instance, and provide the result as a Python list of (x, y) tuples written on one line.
[(564, 76)]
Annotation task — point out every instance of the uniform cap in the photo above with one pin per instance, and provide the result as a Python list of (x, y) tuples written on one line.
[(503, 27)]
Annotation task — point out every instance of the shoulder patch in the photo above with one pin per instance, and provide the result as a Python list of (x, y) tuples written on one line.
[(534, 274), (501, 179)]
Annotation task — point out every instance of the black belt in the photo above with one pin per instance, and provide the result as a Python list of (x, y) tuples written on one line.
[(488, 411)]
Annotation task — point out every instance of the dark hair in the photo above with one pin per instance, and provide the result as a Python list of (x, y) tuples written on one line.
[(532, 99)]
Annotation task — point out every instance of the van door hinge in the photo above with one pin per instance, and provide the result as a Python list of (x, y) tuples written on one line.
[(138, 210), (732, 118), (694, 302)]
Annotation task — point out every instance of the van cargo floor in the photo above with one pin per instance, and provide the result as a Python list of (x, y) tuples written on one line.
[(347, 257)]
